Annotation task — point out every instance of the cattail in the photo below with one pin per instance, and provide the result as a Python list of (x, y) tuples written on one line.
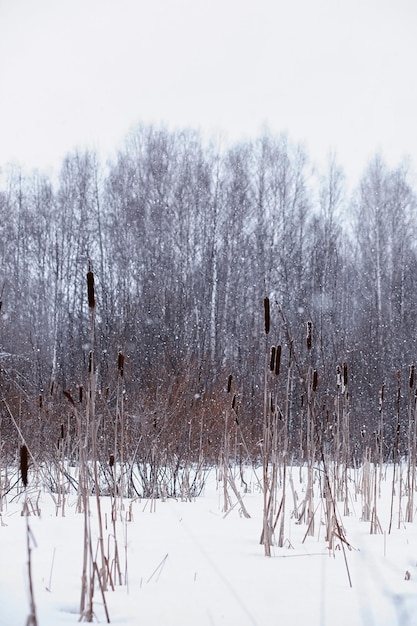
[(308, 338), (90, 289), (40, 400), (411, 377), (24, 464), (111, 460), (345, 374), (234, 401), (272, 360), (315, 380), (272, 406), (277, 360), (120, 363), (68, 397), (267, 315), (62, 431), (80, 393), (229, 383), (90, 361)]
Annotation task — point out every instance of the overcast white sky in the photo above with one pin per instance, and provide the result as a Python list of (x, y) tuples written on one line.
[(335, 74)]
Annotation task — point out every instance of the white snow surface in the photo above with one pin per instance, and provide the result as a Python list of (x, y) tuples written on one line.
[(189, 563)]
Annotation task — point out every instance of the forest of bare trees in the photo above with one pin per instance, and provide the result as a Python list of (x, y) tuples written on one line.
[(185, 241)]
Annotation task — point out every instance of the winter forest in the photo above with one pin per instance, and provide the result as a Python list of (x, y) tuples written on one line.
[(227, 282)]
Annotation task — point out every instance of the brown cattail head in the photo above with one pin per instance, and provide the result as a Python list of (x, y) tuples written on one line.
[(229, 383), (267, 315), (24, 464), (90, 361), (80, 393), (308, 338), (62, 431), (345, 374), (315, 380), (111, 460), (277, 360), (68, 397), (234, 401), (90, 289), (120, 363)]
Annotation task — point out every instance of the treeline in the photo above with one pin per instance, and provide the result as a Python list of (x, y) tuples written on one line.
[(185, 242)]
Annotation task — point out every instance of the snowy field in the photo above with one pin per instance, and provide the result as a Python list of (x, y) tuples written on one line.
[(189, 563)]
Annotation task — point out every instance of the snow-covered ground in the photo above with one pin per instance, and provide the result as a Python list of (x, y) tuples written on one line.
[(189, 563)]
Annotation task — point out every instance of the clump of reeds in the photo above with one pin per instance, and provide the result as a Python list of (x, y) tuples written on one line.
[(231, 424), (274, 440), (118, 489), (378, 465), (396, 450), (308, 440)]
